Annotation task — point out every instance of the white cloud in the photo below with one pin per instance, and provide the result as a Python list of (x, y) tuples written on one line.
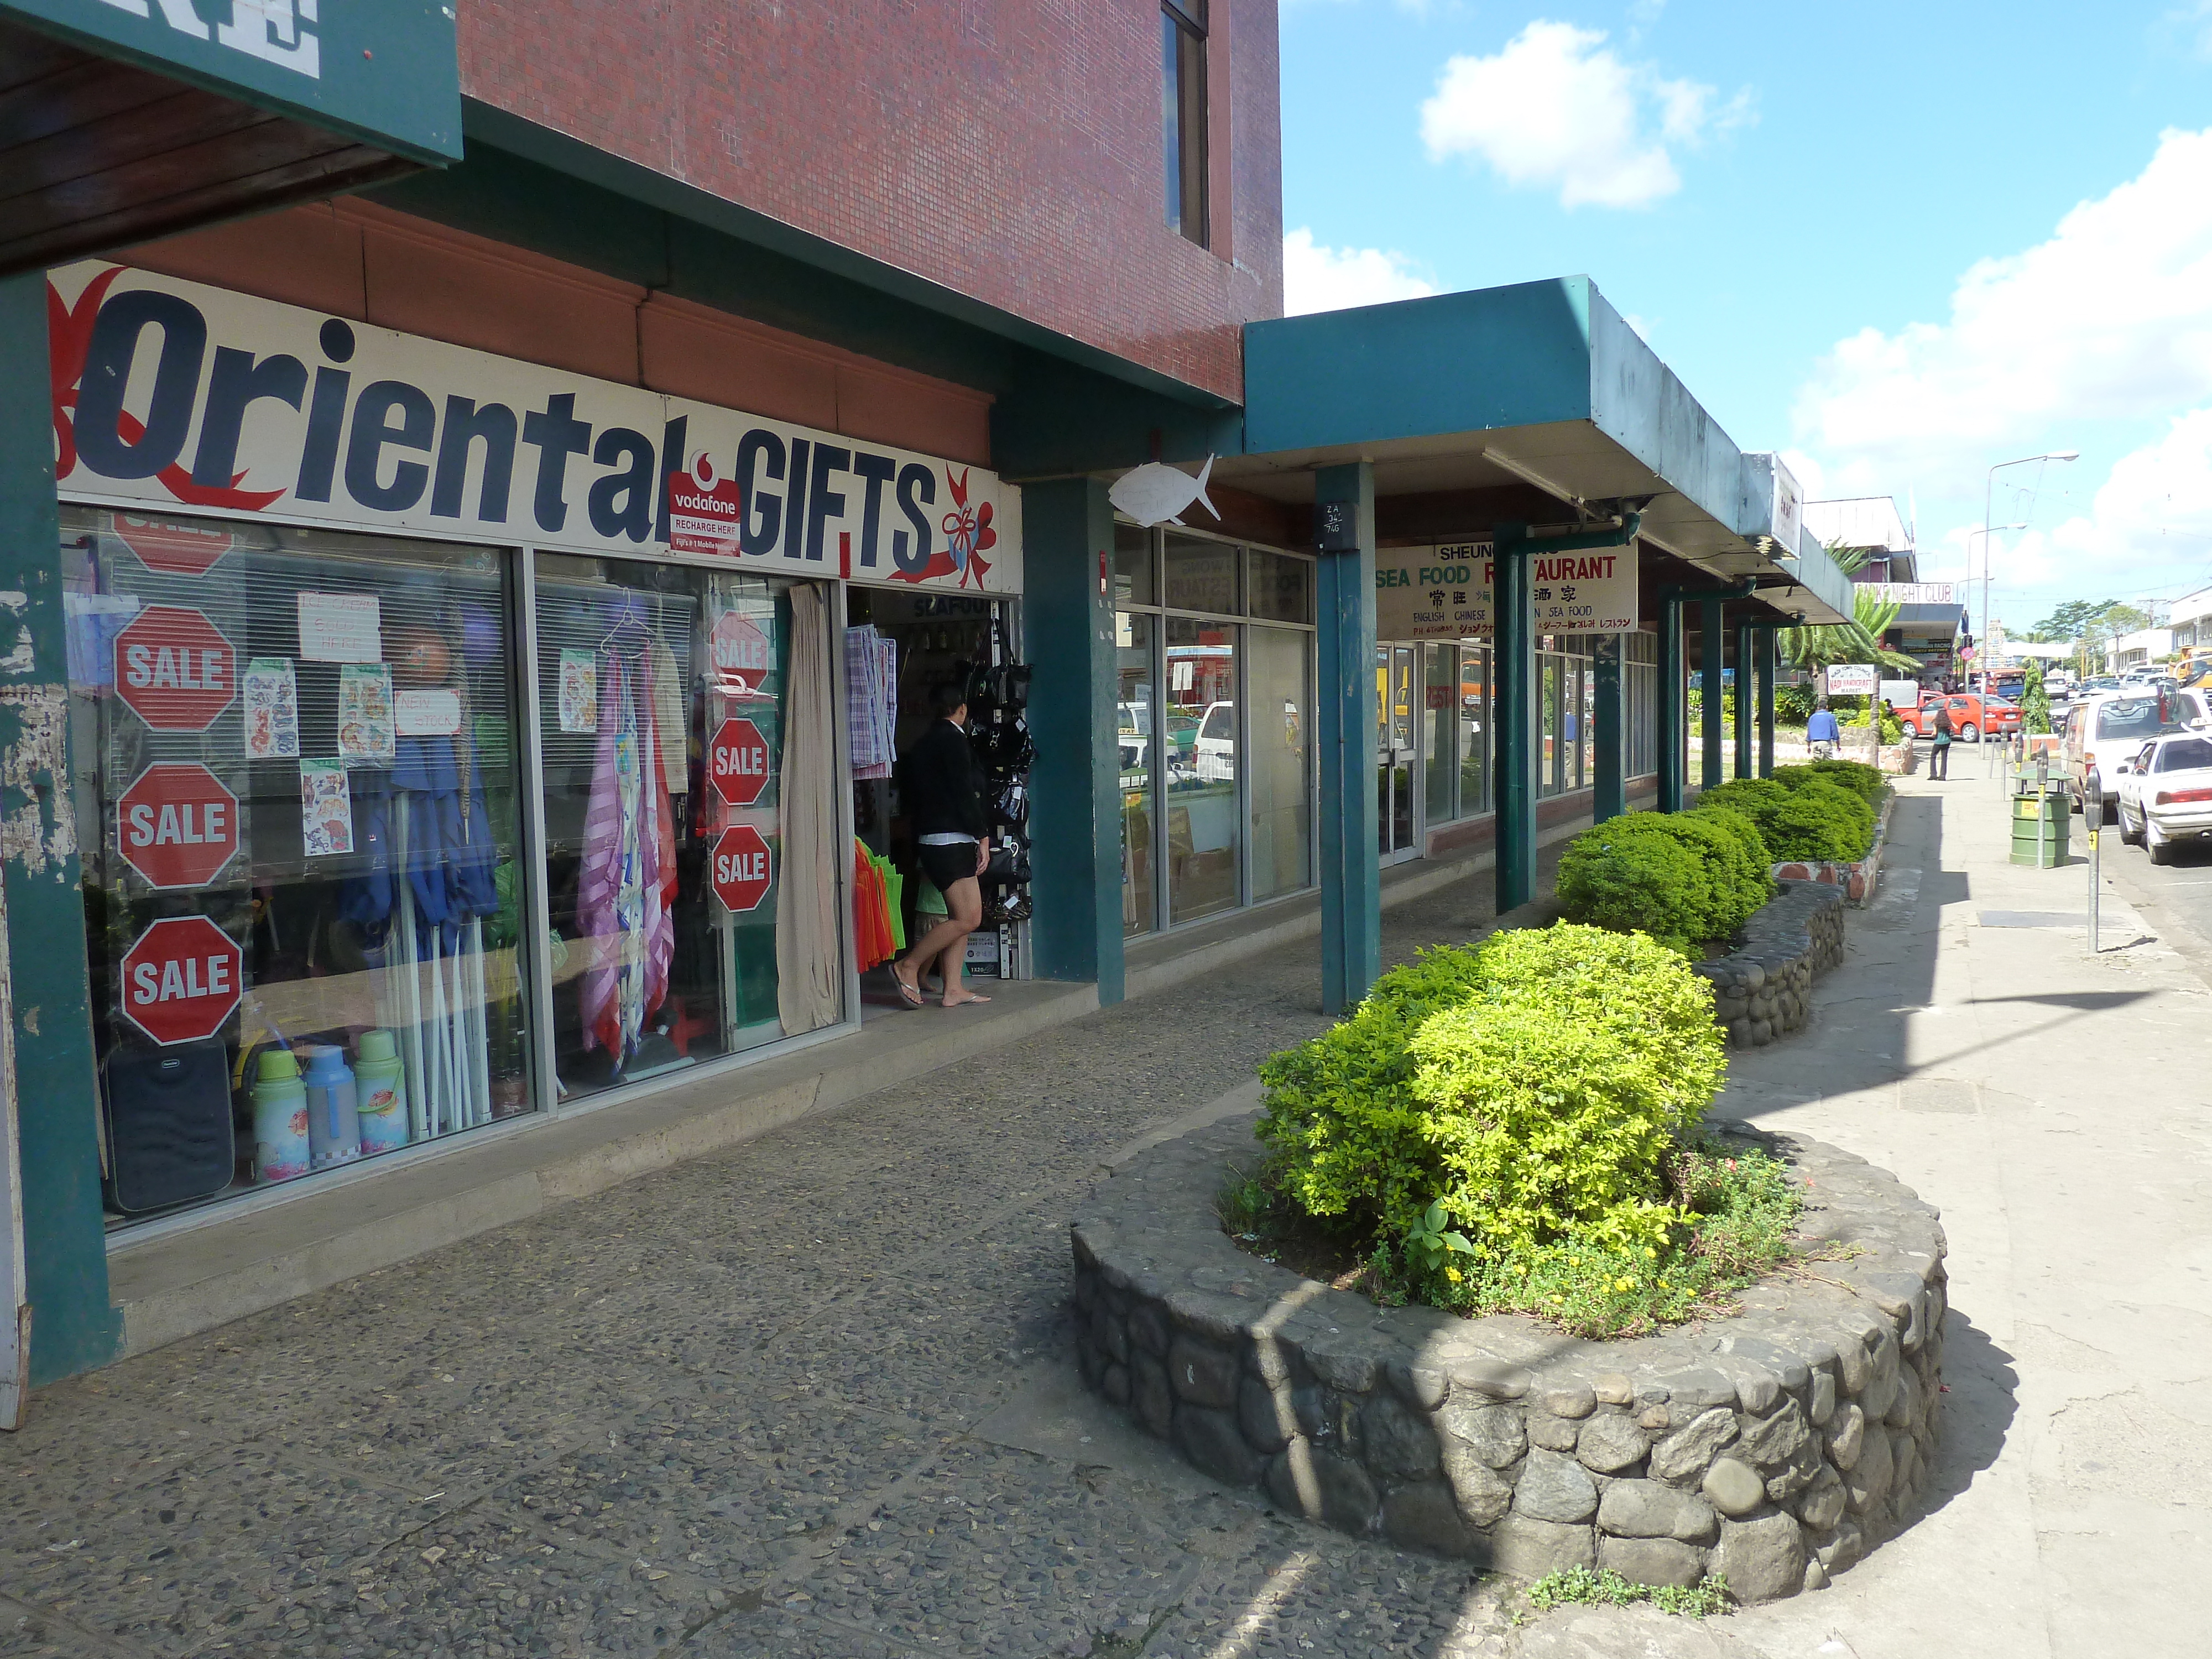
[(2110, 319), (1318, 278), (2195, 22), (1556, 109)]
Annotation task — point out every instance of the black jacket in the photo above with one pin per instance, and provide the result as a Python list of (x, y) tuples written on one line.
[(937, 785)]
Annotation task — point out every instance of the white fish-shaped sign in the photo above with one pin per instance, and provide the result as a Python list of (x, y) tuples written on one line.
[(1156, 493)]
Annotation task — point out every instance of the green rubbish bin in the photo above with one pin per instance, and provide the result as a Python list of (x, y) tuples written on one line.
[(2041, 824)]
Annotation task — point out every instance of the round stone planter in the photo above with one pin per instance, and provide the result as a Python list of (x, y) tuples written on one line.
[(1776, 1446)]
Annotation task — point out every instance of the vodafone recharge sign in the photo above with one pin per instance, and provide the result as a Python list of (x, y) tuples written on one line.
[(177, 824), (737, 762), (175, 669), (744, 868), (181, 980)]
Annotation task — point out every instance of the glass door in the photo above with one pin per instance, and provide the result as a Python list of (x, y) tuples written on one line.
[(1395, 760)]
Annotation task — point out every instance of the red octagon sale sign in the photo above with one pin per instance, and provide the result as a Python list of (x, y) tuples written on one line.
[(737, 762), (744, 868), (181, 980), (179, 549), (174, 667), (177, 824), (740, 653)]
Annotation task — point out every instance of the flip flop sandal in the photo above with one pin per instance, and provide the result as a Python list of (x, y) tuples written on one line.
[(909, 994)]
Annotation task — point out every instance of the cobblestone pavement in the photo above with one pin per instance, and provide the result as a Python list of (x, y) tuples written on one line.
[(728, 1409)]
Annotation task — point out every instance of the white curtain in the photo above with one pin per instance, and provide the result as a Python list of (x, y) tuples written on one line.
[(809, 963)]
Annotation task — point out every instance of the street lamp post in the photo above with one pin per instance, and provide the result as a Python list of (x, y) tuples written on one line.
[(1989, 499), (1987, 529)]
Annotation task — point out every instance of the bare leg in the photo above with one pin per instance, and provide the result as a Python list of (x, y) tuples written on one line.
[(965, 902)]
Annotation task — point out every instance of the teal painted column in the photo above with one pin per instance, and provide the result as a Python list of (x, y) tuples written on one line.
[(1609, 730), (1744, 704), (1766, 653), (1350, 873), (1075, 783), (1513, 673), (1710, 652), (72, 1326), (1673, 730)]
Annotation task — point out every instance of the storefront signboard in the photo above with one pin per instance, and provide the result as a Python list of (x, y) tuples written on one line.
[(174, 668), (174, 550), (181, 397), (181, 980), (1444, 592), (1851, 679), (737, 762), (706, 512), (177, 825), (744, 868), (384, 71)]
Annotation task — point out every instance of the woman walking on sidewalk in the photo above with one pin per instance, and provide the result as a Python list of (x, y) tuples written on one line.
[(936, 780), (1939, 755)]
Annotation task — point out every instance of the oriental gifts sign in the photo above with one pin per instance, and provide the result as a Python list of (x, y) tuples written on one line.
[(1446, 592)]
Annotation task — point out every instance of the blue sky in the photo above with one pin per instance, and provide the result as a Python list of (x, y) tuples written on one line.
[(1902, 242)]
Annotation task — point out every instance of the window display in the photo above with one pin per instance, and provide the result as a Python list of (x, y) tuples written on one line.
[(688, 755), (301, 892)]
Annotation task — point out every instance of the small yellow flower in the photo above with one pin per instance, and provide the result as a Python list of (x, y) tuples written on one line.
[(1452, 1273)]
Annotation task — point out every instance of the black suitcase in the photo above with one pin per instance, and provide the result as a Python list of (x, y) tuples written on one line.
[(168, 1125)]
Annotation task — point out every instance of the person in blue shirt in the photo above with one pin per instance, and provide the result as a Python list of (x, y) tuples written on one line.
[(1821, 732)]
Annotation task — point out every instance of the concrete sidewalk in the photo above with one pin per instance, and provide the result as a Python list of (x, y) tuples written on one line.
[(2058, 1107)]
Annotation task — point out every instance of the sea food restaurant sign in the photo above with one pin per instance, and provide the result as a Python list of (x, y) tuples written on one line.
[(385, 71), (1443, 593), (183, 397)]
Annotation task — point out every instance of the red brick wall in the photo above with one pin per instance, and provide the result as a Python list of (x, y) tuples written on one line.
[(1009, 149)]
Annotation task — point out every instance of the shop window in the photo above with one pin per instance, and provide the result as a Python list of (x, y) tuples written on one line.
[(1138, 731), (1203, 768), (1281, 699), (297, 787), (1201, 575), (1133, 565), (1473, 729), (1182, 115), (1281, 587), (688, 760), (1439, 710)]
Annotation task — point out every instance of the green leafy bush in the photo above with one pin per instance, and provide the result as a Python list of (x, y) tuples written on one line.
[(1683, 878), (1865, 781), (1580, 1587), (1805, 812), (1536, 1086), (1793, 704)]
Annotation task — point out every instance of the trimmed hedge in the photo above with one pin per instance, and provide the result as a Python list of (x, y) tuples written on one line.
[(1683, 878), (1535, 1085), (1805, 813)]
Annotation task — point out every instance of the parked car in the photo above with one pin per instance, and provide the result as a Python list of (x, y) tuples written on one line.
[(2165, 793), (1972, 714), (2107, 729)]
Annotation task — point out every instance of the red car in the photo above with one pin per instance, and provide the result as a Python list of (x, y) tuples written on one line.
[(1972, 714)]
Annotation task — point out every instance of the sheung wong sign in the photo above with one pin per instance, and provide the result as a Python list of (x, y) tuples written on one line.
[(1447, 592), (176, 396), (385, 71)]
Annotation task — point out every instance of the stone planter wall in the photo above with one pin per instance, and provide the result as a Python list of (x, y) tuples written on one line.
[(1763, 990), (1777, 1446)]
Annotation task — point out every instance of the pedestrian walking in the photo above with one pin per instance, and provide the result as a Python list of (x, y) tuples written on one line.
[(952, 842), (1939, 756), (1821, 730)]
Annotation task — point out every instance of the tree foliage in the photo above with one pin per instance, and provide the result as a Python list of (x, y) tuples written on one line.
[(2035, 701), (1859, 639)]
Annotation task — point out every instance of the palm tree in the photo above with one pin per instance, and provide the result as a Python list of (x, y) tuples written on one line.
[(1856, 640)]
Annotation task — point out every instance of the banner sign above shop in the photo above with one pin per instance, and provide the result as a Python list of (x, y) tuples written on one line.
[(1443, 593), (193, 398), (384, 70)]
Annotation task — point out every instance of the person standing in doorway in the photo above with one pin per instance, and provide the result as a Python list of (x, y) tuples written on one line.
[(952, 840), (1821, 733), (1939, 755)]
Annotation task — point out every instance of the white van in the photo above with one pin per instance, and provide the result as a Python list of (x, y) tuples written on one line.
[(2108, 727), (1901, 694)]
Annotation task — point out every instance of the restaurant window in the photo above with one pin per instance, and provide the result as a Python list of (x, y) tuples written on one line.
[(297, 774), (688, 763), (1137, 724), (1182, 115)]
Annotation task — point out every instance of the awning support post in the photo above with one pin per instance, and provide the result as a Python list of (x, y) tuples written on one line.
[(1673, 729), (1609, 793), (1710, 652), (1351, 870)]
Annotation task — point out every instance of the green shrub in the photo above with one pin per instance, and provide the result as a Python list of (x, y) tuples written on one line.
[(1793, 704), (1804, 813), (1865, 781), (1536, 1086), (1683, 878)]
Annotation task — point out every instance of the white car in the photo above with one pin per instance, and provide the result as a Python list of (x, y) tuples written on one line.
[(2110, 728), (2165, 794)]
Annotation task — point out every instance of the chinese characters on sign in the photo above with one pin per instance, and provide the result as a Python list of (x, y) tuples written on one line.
[(1444, 592)]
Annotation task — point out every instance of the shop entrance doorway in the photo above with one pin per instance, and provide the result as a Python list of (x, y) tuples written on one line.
[(1396, 760)]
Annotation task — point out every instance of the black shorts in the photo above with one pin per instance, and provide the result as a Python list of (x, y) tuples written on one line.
[(947, 862)]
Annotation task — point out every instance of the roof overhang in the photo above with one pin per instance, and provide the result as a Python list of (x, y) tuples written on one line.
[(124, 120), (1481, 398)]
